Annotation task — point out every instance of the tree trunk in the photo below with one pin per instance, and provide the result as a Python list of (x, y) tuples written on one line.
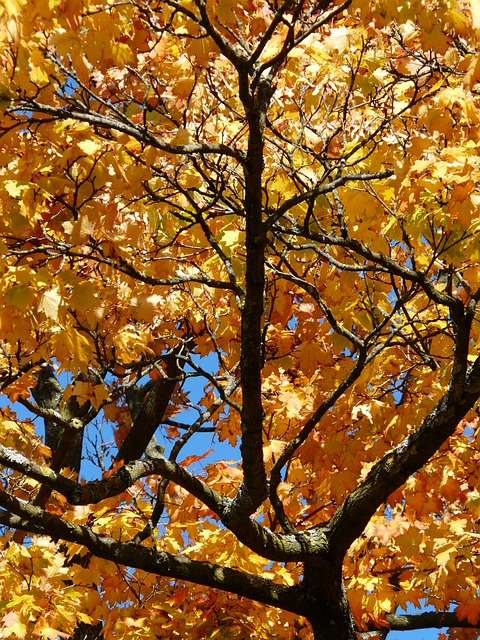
[(88, 632), (48, 394), (328, 610)]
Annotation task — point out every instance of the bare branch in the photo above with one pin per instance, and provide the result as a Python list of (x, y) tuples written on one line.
[(137, 132)]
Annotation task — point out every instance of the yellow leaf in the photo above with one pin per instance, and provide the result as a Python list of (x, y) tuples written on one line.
[(361, 410), (45, 631), (182, 137), (129, 343), (13, 7), (311, 355), (122, 54), (50, 302), (229, 241), (15, 188), (12, 626), (21, 297), (475, 9), (82, 617), (89, 146), (73, 347), (447, 551), (38, 74), (84, 296), (473, 502), (293, 404), (272, 449), (385, 603), (148, 306)]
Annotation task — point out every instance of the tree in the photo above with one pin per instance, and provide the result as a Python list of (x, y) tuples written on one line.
[(275, 202)]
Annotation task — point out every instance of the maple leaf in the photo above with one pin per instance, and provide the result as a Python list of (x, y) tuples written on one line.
[(470, 611)]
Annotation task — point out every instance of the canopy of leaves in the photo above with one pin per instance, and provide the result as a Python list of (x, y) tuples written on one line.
[(251, 228)]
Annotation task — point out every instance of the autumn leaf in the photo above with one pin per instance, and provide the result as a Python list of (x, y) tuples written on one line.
[(12, 626)]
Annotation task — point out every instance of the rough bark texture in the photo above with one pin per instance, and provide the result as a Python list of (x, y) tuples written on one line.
[(88, 632), (326, 602), (148, 405)]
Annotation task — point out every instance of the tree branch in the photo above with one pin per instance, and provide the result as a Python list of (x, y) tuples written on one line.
[(389, 473), (321, 189), (429, 619), (279, 547), (138, 133), (151, 412), (36, 520)]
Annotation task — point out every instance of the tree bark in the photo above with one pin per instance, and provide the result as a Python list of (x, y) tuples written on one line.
[(85, 631), (48, 394), (148, 416), (324, 596)]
